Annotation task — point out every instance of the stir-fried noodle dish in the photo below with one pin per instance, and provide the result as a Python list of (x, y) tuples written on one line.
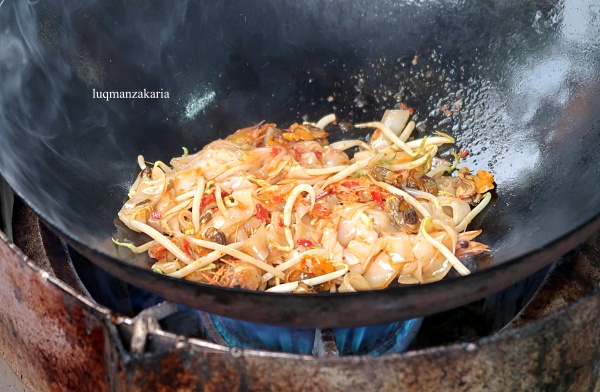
[(283, 210)]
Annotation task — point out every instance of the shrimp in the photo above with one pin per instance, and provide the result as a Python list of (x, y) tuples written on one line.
[(237, 275), (466, 246)]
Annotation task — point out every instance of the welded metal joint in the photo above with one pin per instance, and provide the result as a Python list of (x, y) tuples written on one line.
[(146, 323)]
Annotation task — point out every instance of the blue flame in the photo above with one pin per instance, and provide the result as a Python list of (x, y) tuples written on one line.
[(377, 339), (372, 340), (248, 335)]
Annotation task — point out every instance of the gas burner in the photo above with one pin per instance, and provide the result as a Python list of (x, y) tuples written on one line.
[(166, 316), (60, 333)]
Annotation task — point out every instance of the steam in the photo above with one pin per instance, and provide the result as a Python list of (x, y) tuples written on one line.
[(13, 63), (52, 54)]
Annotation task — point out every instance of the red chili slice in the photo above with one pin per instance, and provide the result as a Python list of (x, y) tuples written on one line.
[(273, 200), (304, 242), (351, 184), (275, 151), (186, 248), (378, 198), (206, 200), (297, 152), (262, 213), (160, 253), (405, 106), (319, 211), (156, 215)]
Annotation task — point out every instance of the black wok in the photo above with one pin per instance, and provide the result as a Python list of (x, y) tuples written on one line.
[(516, 82)]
